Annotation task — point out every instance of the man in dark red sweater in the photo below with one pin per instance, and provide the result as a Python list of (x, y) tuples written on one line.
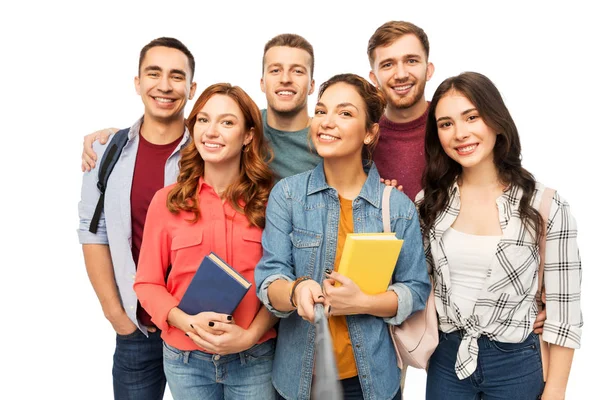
[(399, 56)]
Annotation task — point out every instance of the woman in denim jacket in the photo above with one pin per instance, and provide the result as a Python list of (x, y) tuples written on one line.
[(308, 217)]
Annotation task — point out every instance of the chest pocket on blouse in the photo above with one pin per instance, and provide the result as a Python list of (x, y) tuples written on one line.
[(185, 248), (248, 251), (304, 250), (513, 269)]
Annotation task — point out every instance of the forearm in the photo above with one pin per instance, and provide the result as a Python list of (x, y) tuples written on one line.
[(384, 305), (559, 367), (263, 321), (279, 295), (102, 277)]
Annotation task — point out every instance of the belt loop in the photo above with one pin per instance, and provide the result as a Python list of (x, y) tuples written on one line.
[(186, 357), (242, 358)]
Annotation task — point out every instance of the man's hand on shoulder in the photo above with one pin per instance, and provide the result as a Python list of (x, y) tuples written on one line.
[(89, 157), (392, 182)]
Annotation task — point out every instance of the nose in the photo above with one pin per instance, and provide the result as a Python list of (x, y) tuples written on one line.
[(328, 121), (462, 131), (164, 84), (211, 131), (286, 76), (400, 73)]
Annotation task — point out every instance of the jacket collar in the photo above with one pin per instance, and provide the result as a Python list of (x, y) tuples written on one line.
[(370, 192)]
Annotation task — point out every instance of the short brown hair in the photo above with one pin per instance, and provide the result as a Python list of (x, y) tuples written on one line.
[(391, 31), (171, 43), (294, 41)]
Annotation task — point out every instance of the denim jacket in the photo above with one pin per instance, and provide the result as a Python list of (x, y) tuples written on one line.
[(300, 238)]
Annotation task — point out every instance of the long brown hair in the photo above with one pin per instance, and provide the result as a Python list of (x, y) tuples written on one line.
[(441, 171), (250, 192)]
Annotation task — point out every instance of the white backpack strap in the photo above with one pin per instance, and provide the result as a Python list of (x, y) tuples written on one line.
[(385, 208)]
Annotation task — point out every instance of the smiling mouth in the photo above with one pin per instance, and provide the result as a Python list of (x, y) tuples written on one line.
[(327, 137), (213, 145), (285, 93), (402, 88), (163, 100), (467, 149)]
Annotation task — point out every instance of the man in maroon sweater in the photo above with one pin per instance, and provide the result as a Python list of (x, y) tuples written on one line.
[(399, 56)]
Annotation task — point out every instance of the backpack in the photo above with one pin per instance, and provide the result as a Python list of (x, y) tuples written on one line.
[(110, 158)]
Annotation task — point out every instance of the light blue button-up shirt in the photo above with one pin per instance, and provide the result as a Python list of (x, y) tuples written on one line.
[(300, 238), (114, 227)]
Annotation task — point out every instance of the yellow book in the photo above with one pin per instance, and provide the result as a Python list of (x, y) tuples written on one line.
[(369, 260)]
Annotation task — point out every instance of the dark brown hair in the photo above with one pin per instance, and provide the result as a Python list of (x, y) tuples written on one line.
[(250, 193), (170, 43), (373, 100), (294, 41), (441, 171), (389, 32)]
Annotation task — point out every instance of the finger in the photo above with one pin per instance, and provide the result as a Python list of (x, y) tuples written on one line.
[(401, 188), (87, 163), (217, 317), (387, 182), (199, 341), (222, 327), (336, 276), (105, 134), (394, 183), (381, 180), (151, 329)]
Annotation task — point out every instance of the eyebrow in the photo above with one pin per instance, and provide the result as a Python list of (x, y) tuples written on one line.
[(462, 113), (278, 64), (157, 68), (341, 105), (220, 115)]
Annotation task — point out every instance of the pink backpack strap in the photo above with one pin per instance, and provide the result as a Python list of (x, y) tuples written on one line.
[(544, 210), (385, 208)]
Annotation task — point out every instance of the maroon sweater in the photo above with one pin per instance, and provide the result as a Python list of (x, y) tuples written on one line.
[(400, 153)]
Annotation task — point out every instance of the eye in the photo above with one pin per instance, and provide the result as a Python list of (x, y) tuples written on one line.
[(319, 112), (412, 61), (472, 117), (153, 74), (386, 65), (178, 77), (227, 122), (443, 125), (201, 120), (274, 70), (298, 71), (346, 113)]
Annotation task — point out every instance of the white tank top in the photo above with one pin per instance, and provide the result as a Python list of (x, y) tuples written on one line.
[(469, 258)]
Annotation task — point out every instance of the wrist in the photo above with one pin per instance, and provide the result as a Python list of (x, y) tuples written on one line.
[(294, 290), (113, 314)]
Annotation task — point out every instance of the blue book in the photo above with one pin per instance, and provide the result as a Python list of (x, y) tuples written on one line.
[(216, 287)]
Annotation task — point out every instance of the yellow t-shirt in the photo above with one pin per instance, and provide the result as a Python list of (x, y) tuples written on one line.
[(342, 347)]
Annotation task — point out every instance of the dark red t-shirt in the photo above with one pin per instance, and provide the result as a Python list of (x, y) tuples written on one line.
[(400, 153), (148, 178)]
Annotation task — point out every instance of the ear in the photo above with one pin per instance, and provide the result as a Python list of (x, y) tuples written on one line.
[(136, 82), (192, 90), (371, 134), (262, 85), (249, 137), (312, 87), (430, 70), (373, 79)]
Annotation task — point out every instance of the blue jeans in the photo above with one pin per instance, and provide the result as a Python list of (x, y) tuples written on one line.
[(138, 368), (198, 375), (504, 371)]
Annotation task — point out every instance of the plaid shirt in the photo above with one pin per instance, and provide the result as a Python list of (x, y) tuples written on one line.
[(506, 309)]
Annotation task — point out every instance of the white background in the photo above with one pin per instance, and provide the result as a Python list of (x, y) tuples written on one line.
[(67, 69)]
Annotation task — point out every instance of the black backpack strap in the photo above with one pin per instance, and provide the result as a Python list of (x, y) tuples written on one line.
[(106, 166)]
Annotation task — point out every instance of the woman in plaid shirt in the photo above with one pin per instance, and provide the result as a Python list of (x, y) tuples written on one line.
[(479, 211)]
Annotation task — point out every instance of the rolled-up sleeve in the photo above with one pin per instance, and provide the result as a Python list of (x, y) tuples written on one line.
[(410, 281), (89, 199), (562, 278), (276, 262)]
